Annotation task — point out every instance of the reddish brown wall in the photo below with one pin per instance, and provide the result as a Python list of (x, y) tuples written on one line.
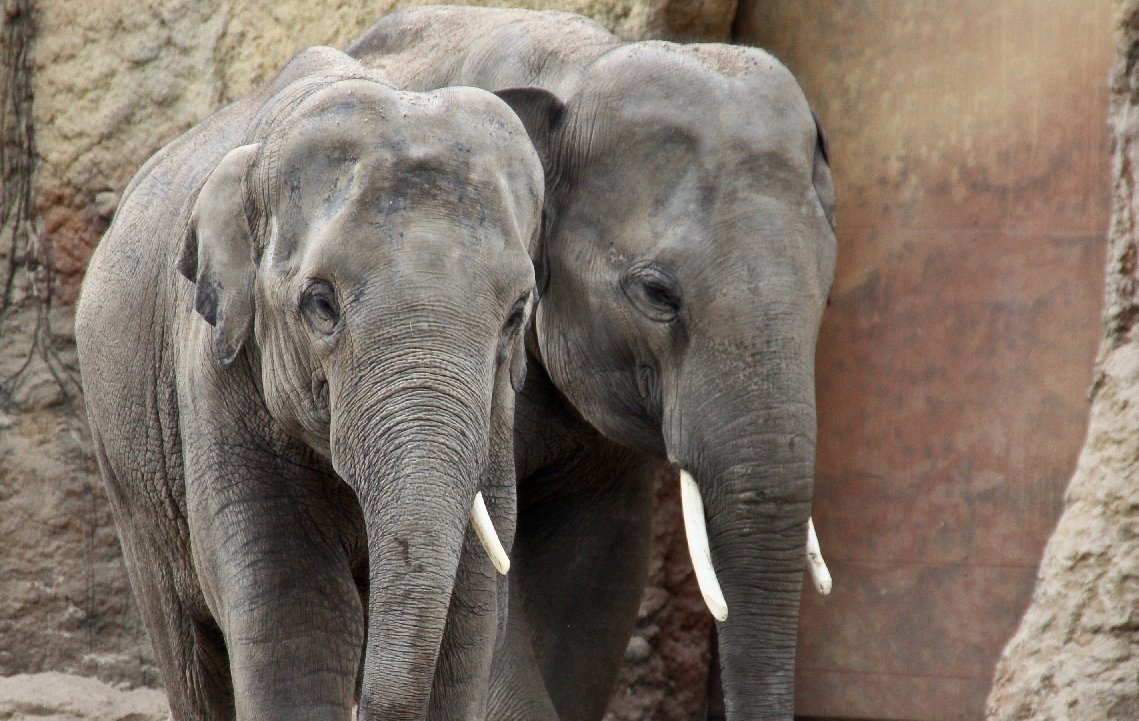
[(970, 153)]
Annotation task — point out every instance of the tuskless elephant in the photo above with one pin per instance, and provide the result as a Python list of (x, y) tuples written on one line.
[(686, 255), (299, 341)]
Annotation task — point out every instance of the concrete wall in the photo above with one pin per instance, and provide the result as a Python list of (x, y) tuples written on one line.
[(970, 152)]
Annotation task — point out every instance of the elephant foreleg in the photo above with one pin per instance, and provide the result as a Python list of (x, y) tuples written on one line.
[(274, 544), (188, 646), (517, 690), (294, 622), (460, 686), (581, 560)]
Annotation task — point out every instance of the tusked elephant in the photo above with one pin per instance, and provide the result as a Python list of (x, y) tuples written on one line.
[(686, 256), (299, 342)]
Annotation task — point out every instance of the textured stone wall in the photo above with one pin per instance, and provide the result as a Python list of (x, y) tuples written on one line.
[(64, 600), (1076, 653), (90, 91)]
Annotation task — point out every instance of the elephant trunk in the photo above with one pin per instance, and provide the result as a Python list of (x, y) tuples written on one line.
[(418, 457), (747, 456)]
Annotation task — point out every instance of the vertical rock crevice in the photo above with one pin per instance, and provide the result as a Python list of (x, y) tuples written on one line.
[(32, 371), (17, 138)]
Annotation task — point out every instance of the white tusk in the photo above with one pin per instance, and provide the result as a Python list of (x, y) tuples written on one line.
[(480, 519), (697, 533), (815, 563)]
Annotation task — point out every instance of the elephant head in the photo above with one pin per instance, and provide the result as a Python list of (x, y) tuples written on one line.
[(688, 252), (369, 250)]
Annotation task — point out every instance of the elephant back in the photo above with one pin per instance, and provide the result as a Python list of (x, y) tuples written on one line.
[(491, 48)]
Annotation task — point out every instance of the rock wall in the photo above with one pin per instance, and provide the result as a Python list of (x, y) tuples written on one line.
[(1076, 653), (89, 92), (64, 600)]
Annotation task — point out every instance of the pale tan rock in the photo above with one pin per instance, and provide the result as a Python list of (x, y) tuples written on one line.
[(61, 697), (1076, 653)]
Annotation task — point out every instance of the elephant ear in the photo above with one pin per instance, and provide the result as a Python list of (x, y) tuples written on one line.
[(216, 254), (824, 184), (542, 114), (518, 359)]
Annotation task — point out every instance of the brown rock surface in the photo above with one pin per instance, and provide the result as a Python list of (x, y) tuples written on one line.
[(970, 155), (1076, 653), (64, 600)]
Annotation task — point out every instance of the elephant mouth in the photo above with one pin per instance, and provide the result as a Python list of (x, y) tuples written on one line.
[(699, 549)]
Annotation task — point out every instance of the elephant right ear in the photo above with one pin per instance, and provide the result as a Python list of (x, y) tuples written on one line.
[(216, 254), (541, 113), (824, 183)]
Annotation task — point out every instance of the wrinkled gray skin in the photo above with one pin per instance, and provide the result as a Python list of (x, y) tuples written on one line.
[(686, 256), (292, 464)]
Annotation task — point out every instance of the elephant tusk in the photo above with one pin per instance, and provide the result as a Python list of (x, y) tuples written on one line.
[(697, 533), (480, 519), (815, 563)]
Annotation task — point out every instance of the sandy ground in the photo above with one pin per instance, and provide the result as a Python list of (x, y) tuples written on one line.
[(63, 697)]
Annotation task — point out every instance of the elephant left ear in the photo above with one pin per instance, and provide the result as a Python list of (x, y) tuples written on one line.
[(821, 177), (518, 363), (216, 254), (518, 360)]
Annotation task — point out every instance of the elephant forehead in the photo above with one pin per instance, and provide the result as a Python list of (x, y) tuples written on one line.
[(363, 112), (363, 138), (396, 208), (680, 153), (672, 189), (385, 190), (657, 91)]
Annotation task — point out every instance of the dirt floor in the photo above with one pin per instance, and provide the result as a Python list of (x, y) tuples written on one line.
[(64, 697)]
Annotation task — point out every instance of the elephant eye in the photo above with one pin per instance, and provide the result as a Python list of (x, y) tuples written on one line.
[(320, 308), (653, 291)]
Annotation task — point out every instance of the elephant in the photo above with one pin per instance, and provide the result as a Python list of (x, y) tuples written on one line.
[(299, 341), (686, 256)]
